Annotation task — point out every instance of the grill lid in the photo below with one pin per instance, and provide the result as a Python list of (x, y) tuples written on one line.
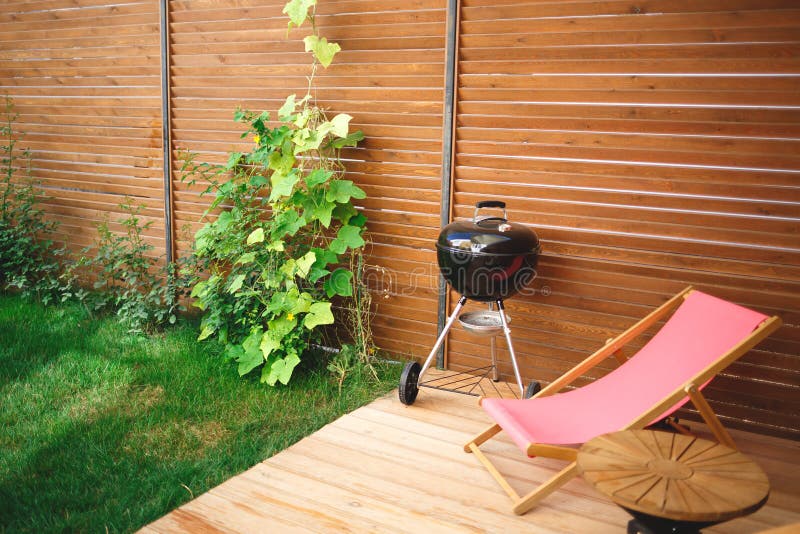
[(488, 235)]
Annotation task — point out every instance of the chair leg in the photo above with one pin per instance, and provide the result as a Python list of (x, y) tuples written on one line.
[(546, 488), (711, 419), (483, 437), (500, 479), (520, 504)]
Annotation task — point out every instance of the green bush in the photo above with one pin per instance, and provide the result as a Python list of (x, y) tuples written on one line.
[(28, 257), (128, 279)]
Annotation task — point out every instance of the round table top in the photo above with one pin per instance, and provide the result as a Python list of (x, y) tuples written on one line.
[(673, 476)]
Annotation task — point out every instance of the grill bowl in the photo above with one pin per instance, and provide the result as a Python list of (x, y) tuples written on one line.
[(487, 277), (487, 259)]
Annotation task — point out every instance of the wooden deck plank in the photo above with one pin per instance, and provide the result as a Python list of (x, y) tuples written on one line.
[(217, 514), (321, 507), (464, 487), (387, 467)]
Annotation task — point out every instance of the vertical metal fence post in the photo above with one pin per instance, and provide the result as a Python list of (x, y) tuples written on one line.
[(166, 122), (448, 141)]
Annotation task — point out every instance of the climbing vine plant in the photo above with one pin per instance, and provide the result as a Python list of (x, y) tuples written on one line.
[(282, 246)]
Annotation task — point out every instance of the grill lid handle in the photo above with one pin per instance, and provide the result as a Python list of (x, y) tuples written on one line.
[(490, 204)]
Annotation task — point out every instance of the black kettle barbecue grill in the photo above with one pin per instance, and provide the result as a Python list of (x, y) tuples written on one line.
[(488, 260)]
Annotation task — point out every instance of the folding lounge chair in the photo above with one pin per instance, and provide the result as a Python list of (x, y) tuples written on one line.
[(703, 336)]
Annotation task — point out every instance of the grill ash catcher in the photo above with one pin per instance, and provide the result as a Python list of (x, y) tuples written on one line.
[(487, 259)]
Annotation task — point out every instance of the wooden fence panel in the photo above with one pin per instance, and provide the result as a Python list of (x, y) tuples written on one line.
[(651, 147), (86, 80), (389, 77)]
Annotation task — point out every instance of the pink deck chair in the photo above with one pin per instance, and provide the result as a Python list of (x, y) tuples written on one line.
[(703, 336)]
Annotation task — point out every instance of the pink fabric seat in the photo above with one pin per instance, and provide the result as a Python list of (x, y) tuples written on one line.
[(700, 331)]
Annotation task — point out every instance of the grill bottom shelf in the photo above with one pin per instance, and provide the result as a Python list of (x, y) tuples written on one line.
[(475, 382)]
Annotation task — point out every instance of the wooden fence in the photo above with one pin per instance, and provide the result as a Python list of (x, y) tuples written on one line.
[(651, 145)]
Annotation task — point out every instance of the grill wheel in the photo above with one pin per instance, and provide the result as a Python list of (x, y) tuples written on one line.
[(532, 389), (409, 383)]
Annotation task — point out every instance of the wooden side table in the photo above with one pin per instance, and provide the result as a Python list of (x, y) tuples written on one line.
[(672, 482)]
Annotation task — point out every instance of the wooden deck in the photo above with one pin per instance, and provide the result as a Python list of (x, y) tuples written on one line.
[(390, 468)]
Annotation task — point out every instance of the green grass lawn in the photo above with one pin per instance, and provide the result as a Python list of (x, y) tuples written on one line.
[(101, 429)]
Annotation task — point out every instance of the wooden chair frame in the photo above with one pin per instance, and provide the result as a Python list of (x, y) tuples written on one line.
[(521, 504)]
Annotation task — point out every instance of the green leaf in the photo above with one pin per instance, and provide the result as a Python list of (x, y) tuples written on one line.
[(203, 238), (324, 257), (304, 264), (303, 304), (323, 212), (224, 220), (206, 332), (233, 160), (248, 361), (344, 212), (350, 140), (348, 236), (198, 289), (322, 49), (252, 341), (270, 279), (317, 273), (351, 235), (260, 156), (339, 283), (342, 191), (318, 177), (306, 139), (277, 246), (282, 185), (281, 161), (287, 108), (244, 259), (282, 325), (297, 11), (259, 123), (324, 129), (283, 301), (319, 313), (258, 181), (341, 124), (358, 220), (301, 120), (287, 222), (289, 268), (280, 370), (256, 236), (236, 283), (233, 352), (268, 345), (251, 356), (278, 328)]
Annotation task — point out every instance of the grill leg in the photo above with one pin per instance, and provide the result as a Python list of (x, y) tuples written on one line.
[(493, 348), (507, 332), (440, 339)]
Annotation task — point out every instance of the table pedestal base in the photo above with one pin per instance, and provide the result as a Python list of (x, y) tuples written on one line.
[(648, 524)]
